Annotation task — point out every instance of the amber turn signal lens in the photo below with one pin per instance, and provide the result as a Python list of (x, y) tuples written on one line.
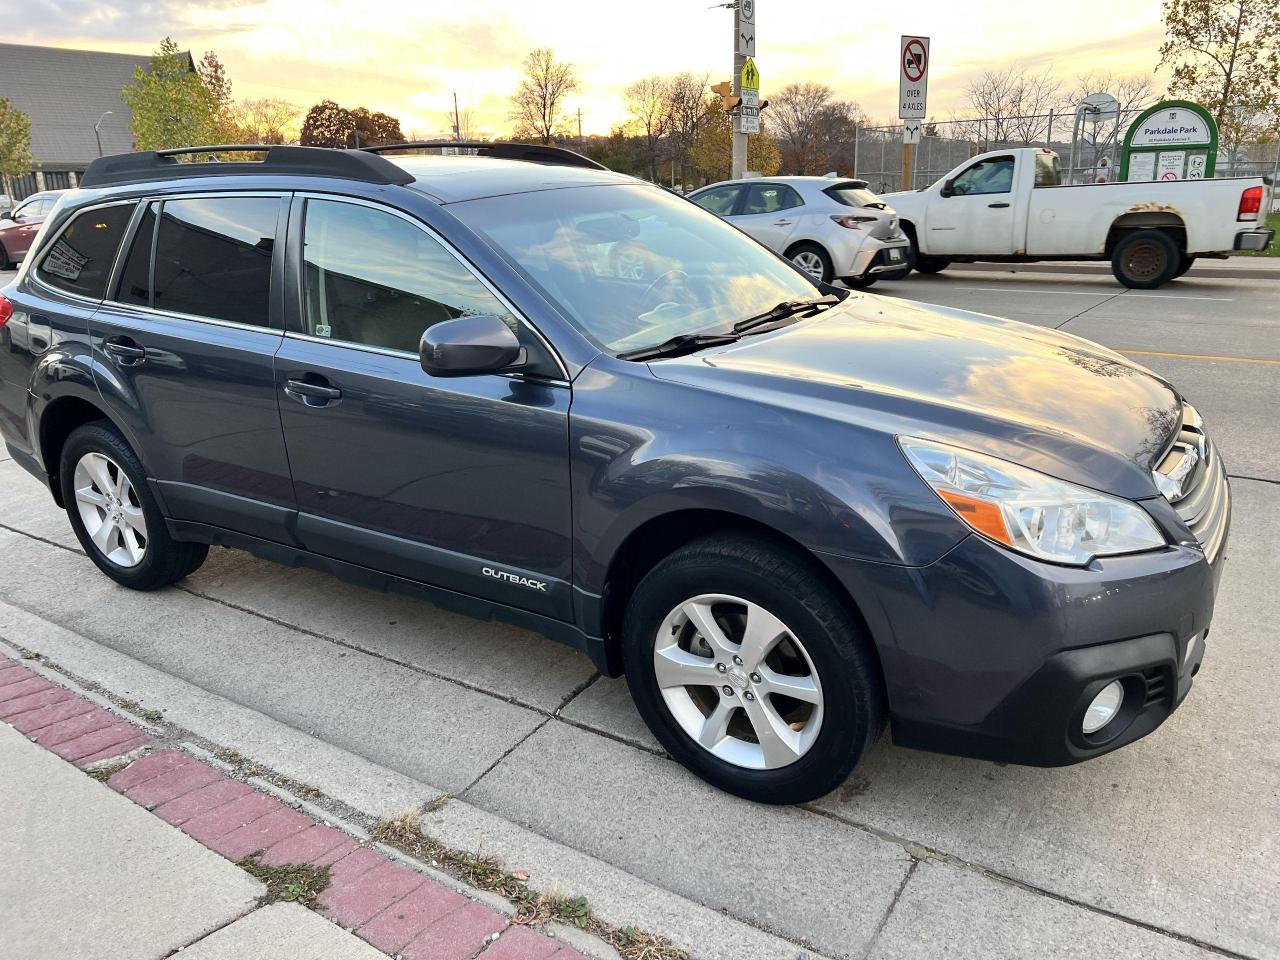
[(984, 517)]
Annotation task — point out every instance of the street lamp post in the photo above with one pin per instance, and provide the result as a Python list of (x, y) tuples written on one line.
[(96, 134)]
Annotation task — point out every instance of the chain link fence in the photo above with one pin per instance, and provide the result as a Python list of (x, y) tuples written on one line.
[(876, 152)]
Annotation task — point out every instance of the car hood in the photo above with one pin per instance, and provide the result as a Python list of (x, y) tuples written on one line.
[(1048, 400)]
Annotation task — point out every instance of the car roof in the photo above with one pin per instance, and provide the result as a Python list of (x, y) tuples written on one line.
[(457, 178), (799, 181)]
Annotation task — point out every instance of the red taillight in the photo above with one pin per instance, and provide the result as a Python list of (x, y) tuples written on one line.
[(6, 309), (1250, 204)]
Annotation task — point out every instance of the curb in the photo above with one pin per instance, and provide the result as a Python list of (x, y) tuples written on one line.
[(390, 906)]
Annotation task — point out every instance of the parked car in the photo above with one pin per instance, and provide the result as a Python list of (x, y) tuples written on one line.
[(20, 226), (832, 228), (6, 203), (788, 516), (1011, 206)]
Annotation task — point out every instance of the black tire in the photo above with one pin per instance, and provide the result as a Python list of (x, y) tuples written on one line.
[(164, 559), (922, 263), (895, 274), (1184, 265), (5, 262), (861, 283), (790, 587), (828, 271), (1145, 259)]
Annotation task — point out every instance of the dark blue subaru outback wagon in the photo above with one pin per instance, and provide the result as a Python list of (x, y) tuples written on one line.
[(525, 387)]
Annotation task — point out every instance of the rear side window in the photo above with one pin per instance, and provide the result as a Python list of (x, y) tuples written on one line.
[(79, 260), (135, 279), (213, 258), (770, 198)]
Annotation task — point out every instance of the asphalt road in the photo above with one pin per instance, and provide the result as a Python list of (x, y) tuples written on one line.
[(1167, 848)]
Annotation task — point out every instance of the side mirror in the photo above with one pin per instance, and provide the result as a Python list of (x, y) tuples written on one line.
[(469, 345), (948, 189)]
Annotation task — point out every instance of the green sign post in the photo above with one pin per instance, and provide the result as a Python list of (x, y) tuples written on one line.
[(1174, 140)]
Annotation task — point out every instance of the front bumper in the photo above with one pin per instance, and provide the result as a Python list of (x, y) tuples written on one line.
[(990, 654), (1254, 239), (879, 256)]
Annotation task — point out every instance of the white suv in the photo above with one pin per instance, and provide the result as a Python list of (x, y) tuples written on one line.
[(830, 227)]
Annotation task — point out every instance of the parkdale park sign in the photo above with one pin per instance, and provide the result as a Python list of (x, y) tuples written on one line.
[(1174, 140)]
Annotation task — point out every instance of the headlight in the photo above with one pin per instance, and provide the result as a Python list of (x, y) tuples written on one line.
[(1028, 511)]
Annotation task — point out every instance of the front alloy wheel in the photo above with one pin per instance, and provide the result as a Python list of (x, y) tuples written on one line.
[(738, 681), (110, 509)]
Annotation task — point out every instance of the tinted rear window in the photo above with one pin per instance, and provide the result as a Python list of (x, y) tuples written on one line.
[(852, 196), (135, 279), (213, 258), (79, 260)]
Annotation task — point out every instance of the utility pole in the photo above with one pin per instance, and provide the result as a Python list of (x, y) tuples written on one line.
[(738, 163), (579, 125), (457, 120)]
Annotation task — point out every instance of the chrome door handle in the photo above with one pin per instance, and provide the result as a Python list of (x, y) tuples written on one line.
[(128, 351), (312, 394)]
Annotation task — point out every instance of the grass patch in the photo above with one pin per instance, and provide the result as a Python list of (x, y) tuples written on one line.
[(1273, 221), (104, 773), (297, 883), (532, 907)]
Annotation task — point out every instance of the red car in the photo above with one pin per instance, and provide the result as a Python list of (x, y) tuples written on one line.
[(20, 226)]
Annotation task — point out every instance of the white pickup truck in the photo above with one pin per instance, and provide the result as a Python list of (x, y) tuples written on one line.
[(1009, 205)]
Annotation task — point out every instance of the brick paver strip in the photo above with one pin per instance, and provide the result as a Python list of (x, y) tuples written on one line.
[(76, 726), (360, 860), (95, 742), (171, 784), (35, 701), (355, 901), (399, 923), (457, 935), (33, 721), (339, 852), (152, 765), (521, 943), (178, 811), (311, 844), (261, 834), (231, 816), (139, 739), (15, 691), (12, 673)]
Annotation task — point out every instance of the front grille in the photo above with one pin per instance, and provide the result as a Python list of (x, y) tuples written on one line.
[(1192, 477)]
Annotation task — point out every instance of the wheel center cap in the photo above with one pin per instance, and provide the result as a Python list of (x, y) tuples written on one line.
[(738, 678)]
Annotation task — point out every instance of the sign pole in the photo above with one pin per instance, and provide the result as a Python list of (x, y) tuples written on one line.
[(913, 88), (744, 48)]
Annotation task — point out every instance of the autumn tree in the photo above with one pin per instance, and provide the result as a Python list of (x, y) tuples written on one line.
[(686, 95), (374, 129), (1225, 55), (327, 125), (172, 106), (649, 105), (813, 127), (266, 120), (713, 150), (15, 141), (537, 107), (1013, 104)]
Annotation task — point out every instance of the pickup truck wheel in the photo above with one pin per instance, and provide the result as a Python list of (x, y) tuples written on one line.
[(1145, 259), (114, 516), (751, 671), (813, 260), (861, 283), (924, 263), (1184, 265)]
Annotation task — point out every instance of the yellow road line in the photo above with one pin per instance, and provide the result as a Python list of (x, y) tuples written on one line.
[(1196, 356)]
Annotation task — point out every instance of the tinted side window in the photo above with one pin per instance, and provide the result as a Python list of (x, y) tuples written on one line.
[(719, 201), (986, 176), (80, 259), (770, 198), (213, 258), (135, 279), (374, 278)]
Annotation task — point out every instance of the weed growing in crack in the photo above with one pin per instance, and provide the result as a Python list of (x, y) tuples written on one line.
[(532, 908), (297, 883)]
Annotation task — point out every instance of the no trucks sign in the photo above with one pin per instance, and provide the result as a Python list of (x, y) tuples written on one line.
[(913, 79)]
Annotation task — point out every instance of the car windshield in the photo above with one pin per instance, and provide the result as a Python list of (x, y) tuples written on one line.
[(633, 265)]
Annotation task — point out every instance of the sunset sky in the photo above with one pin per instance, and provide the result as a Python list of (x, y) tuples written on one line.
[(407, 59)]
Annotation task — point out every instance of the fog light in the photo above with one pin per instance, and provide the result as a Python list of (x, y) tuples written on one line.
[(1104, 708)]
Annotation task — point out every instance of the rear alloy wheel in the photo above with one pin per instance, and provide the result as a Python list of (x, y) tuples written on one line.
[(1145, 259), (751, 670), (114, 515), (813, 261)]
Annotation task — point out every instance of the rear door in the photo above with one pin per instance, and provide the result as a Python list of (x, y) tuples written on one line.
[(185, 352), (980, 215), (769, 213), (17, 234), (462, 483)]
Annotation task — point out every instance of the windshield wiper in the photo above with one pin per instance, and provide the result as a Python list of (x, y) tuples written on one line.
[(784, 310), (684, 343)]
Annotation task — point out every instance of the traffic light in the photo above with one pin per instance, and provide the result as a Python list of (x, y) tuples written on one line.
[(725, 92)]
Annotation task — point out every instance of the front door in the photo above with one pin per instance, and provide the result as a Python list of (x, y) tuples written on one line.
[(769, 213), (185, 346), (978, 217), (462, 483)]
